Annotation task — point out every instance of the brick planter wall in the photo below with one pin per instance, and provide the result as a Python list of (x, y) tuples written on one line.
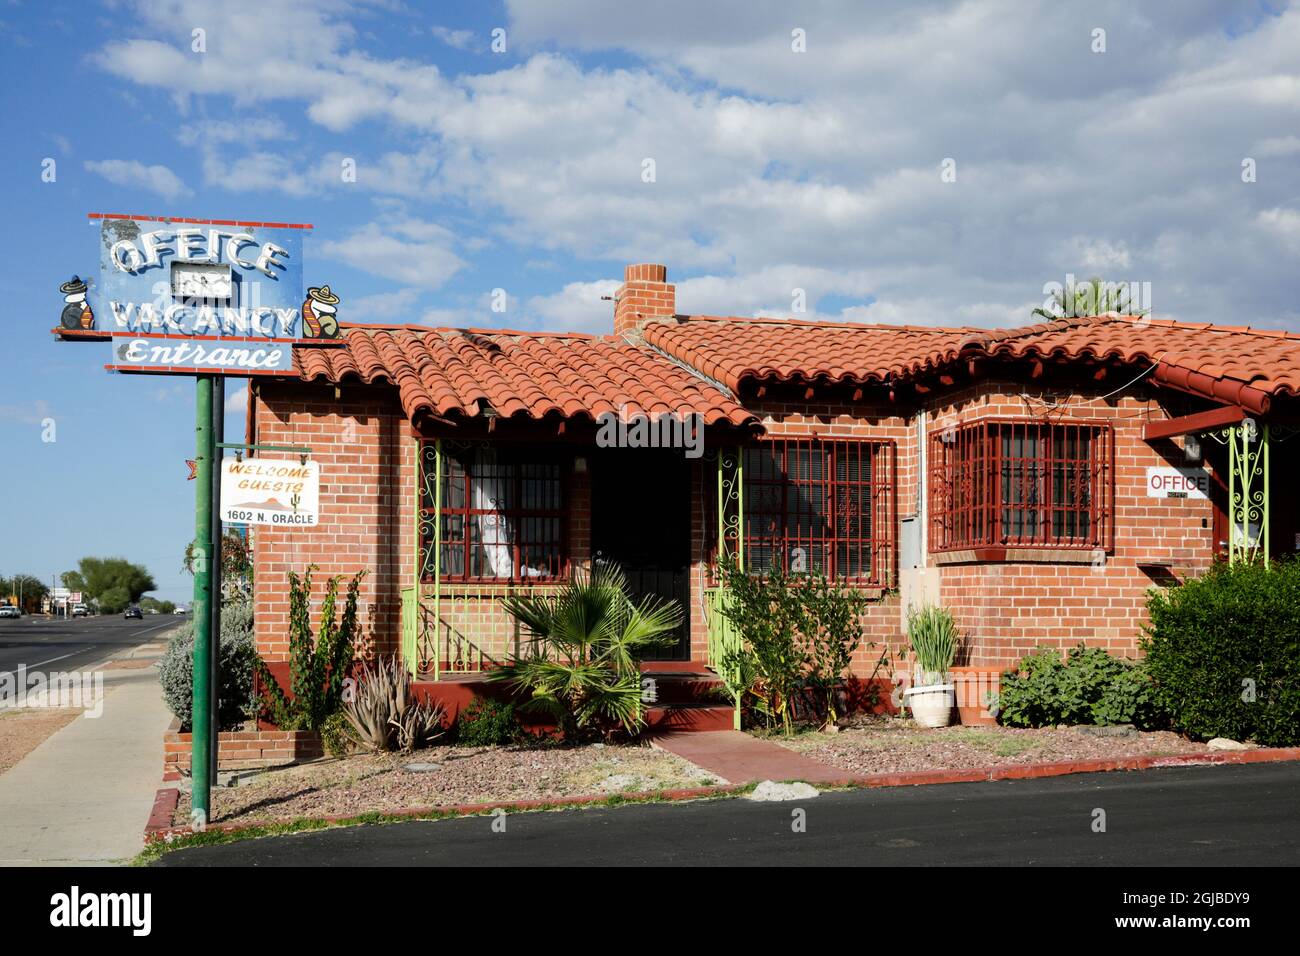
[(241, 749)]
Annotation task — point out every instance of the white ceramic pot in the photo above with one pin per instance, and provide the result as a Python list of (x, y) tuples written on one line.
[(931, 704)]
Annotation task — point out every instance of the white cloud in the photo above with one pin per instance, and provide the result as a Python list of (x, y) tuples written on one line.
[(772, 163), (136, 175), (237, 400), (407, 251), (460, 39)]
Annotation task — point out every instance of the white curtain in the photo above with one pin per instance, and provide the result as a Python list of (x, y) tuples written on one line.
[(494, 530)]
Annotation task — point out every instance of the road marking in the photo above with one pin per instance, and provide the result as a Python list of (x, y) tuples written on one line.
[(50, 661)]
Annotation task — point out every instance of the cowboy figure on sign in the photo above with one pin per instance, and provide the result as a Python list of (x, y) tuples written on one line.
[(319, 318), (76, 313)]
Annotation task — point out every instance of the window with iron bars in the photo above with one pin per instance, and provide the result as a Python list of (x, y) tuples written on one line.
[(1021, 482), (821, 505), (504, 513)]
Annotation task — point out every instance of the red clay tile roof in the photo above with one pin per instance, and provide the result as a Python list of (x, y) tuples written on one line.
[(1232, 364), (449, 372), (786, 350)]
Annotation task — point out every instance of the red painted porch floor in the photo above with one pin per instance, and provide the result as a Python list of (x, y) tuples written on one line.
[(739, 758)]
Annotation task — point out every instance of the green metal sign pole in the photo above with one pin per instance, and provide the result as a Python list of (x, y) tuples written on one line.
[(200, 610), (214, 569)]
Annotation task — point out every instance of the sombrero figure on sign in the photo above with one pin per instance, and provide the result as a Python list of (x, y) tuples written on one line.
[(319, 314), (76, 313)]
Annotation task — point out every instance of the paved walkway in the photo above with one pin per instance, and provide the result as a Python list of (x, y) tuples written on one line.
[(84, 795), (739, 758)]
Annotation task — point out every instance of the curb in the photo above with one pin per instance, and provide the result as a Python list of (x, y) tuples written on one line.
[(161, 828)]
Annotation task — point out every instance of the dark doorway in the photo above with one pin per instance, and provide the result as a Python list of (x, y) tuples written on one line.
[(641, 520)]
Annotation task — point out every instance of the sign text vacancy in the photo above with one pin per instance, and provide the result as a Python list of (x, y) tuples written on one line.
[(204, 296), (266, 491)]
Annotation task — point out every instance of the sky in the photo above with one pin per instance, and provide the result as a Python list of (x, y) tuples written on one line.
[(898, 162)]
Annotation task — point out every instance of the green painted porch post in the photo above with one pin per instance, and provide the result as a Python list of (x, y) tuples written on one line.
[(437, 559), (200, 610), (1248, 490)]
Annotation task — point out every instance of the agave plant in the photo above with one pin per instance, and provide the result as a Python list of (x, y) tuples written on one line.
[(580, 663), (384, 714), (933, 635)]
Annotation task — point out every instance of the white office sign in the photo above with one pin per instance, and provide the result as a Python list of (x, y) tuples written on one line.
[(274, 492), (1177, 482)]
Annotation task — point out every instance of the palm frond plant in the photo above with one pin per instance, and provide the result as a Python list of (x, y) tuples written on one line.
[(579, 666)]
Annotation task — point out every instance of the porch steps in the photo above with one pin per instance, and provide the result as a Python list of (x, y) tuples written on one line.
[(687, 699)]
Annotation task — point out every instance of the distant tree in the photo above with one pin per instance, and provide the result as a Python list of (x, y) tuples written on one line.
[(24, 589), (112, 582), (153, 604)]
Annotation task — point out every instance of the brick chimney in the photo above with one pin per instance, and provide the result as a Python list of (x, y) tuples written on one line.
[(644, 294)]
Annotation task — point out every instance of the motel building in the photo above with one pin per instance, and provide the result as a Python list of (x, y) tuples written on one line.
[(1038, 480)]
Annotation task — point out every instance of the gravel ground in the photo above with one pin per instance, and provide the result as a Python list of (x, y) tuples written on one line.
[(22, 731), (893, 745), (379, 782)]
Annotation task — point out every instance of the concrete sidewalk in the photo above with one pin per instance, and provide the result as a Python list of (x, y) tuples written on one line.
[(84, 795)]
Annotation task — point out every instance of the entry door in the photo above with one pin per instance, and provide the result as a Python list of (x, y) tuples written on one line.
[(641, 520)]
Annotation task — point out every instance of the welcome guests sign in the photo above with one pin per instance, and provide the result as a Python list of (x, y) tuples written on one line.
[(200, 295)]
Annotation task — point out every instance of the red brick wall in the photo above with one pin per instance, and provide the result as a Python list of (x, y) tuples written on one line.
[(367, 460), (1009, 608), (368, 463)]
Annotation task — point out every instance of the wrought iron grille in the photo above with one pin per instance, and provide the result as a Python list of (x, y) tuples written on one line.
[(504, 514), (1022, 482), (821, 505)]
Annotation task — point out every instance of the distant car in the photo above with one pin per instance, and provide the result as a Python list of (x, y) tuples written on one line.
[(133, 613), (10, 611), (153, 610), (80, 610), (180, 610)]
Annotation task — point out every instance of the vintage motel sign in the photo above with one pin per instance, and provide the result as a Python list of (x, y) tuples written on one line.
[(207, 298)]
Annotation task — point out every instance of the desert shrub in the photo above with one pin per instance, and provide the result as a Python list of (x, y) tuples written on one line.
[(383, 713), (1224, 651), (1088, 687), (336, 735), (487, 723), (318, 663), (235, 669)]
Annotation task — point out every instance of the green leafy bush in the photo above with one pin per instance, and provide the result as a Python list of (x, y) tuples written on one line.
[(1088, 687), (487, 723), (319, 663), (799, 633), (235, 668), (1224, 650)]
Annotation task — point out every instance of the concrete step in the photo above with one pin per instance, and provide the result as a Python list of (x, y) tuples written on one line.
[(688, 718)]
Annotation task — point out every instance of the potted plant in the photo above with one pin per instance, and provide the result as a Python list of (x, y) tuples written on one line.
[(933, 635)]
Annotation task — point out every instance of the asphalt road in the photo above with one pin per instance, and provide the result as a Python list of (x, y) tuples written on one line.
[(56, 644), (1192, 816)]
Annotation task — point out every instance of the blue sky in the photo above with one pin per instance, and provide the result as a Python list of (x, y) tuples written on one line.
[(777, 169)]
